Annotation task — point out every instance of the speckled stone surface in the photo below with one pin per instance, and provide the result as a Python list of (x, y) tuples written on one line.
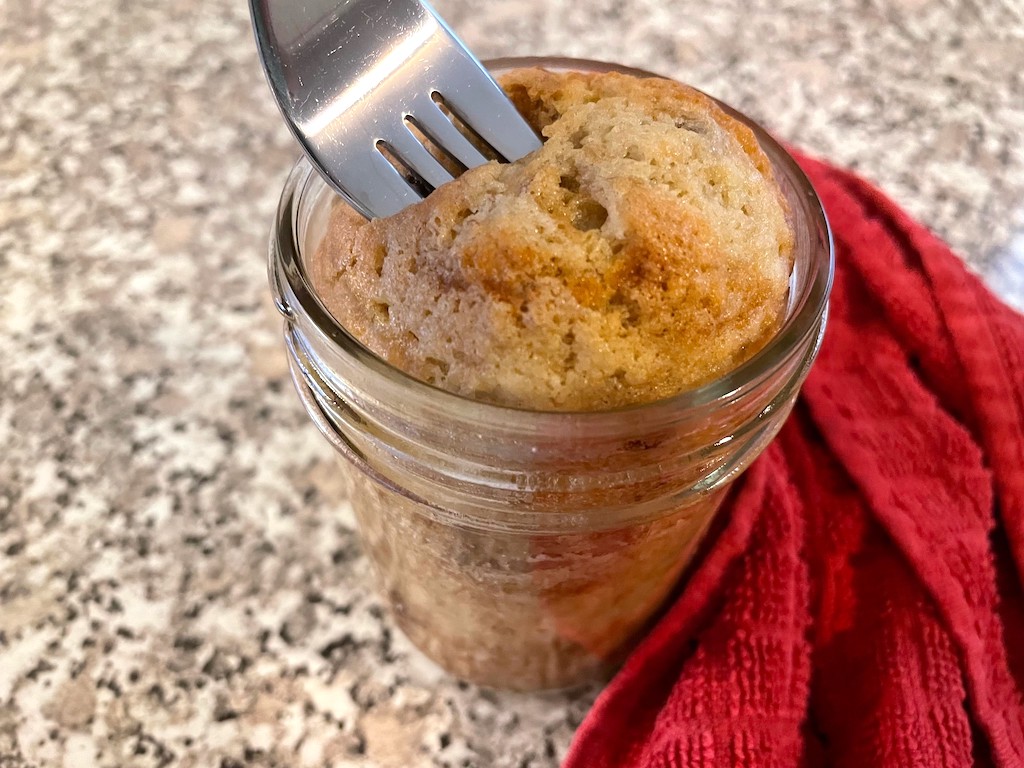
[(180, 583)]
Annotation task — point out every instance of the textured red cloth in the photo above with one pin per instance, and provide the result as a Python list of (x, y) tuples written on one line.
[(862, 606)]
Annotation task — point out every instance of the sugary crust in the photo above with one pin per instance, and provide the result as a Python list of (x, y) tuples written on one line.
[(642, 251)]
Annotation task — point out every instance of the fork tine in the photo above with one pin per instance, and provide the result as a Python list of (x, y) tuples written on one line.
[(409, 150), (373, 186), (440, 130), (481, 104)]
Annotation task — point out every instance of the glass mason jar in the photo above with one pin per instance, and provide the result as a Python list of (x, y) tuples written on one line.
[(524, 549)]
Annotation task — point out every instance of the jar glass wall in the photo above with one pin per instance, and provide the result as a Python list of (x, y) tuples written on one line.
[(527, 549)]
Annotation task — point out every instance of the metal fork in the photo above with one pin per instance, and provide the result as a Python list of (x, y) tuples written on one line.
[(362, 84)]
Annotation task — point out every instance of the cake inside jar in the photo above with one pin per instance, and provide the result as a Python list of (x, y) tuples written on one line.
[(643, 250)]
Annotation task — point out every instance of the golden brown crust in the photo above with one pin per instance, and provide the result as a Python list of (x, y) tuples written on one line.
[(643, 250)]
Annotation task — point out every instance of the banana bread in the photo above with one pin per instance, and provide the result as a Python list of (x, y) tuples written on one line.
[(642, 251)]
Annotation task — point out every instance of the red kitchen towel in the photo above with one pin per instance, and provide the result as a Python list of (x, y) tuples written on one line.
[(863, 605)]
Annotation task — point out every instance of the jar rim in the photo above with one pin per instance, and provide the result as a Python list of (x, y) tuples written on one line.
[(295, 294)]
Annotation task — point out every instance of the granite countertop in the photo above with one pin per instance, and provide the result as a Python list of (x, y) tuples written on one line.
[(180, 583)]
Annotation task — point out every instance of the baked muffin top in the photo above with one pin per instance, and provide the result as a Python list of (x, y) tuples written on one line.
[(643, 250)]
